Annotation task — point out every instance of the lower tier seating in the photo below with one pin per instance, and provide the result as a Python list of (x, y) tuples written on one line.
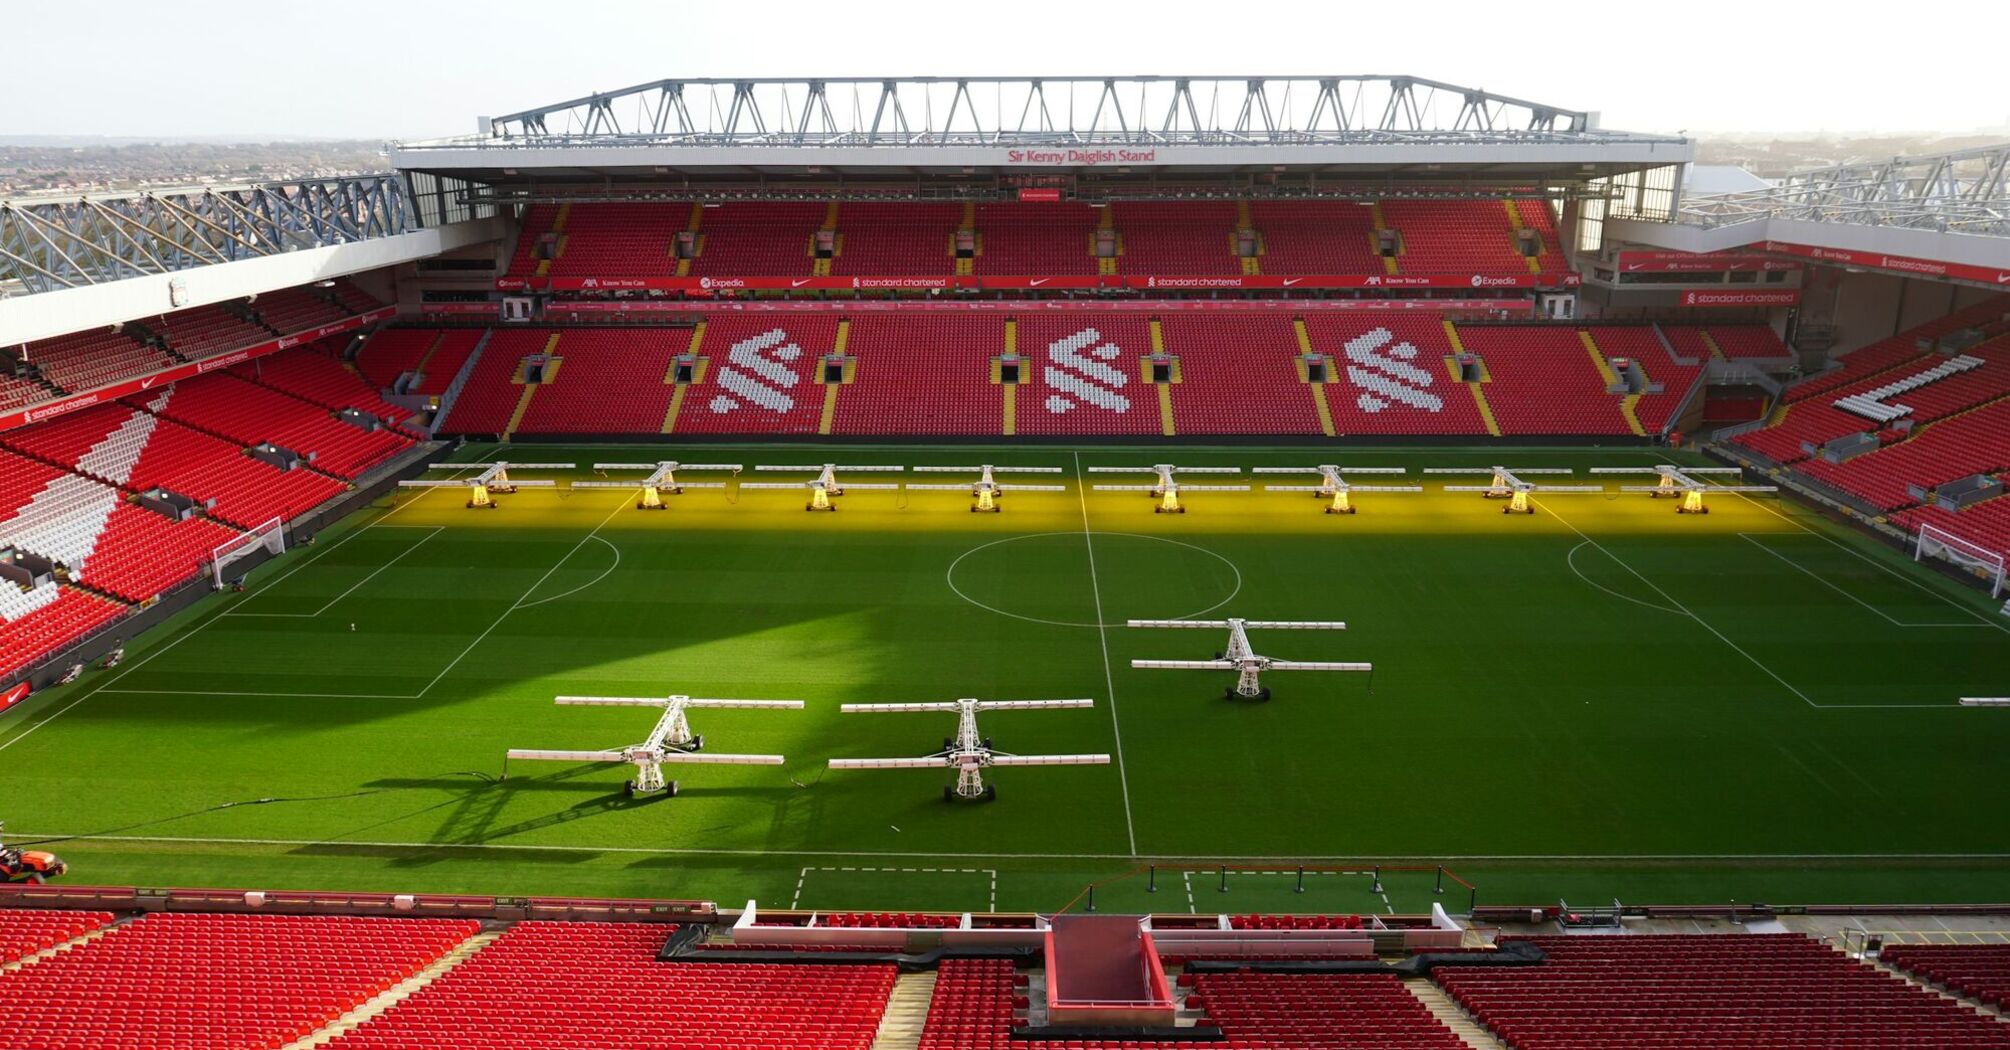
[(1978, 971), (1389, 375), (25, 931), (1725, 992), (494, 388), (215, 982), (1985, 524), (598, 986), (974, 1000), (1086, 374), (1238, 375), (1542, 380), (930, 374), (607, 381), (32, 625), (761, 375), (867, 920)]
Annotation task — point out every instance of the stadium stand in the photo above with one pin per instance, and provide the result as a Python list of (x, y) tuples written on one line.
[(91, 359), (34, 624), (1986, 524), (215, 982), (761, 375), (16, 392), (896, 240), (25, 932), (1465, 236), (353, 299), (1315, 237), (1643, 345), (866, 920), (623, 240), (1755, 342), (1026, 239), (1977, 971), (1543, 381), (756, 240), (929, 374), (1390, 374), (598, 986), (1239, 374), (1176, 237), (607, 381), (495, 387), (1723, 991), (296, 310), (1086, 375), (206, 331), (313, 373), (973, 1005), (235, 408), (1295, 922)]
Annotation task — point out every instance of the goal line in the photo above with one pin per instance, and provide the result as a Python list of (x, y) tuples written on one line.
[(269, 537)]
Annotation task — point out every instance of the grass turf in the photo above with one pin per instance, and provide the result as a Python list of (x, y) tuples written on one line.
[(1604, 699)]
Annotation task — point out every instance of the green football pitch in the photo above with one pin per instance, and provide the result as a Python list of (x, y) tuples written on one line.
[(1602, 700)]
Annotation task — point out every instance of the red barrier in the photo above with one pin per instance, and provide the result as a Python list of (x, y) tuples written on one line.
[(1513, 307), (955, 282)]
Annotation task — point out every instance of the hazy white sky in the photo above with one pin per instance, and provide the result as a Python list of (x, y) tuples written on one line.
[(414, 68)]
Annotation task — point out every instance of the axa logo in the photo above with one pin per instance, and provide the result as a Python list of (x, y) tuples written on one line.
[(594, 282), (1383, 370), (1372, 281), (1078, 371), (757, 374)]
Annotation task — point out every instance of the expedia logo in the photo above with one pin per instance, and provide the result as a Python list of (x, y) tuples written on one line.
[(1481, 280)]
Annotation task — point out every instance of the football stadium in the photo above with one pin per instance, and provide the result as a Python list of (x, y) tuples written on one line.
[(968, 563)]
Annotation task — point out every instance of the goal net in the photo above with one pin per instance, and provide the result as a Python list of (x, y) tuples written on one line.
[(269, 537), (1936, 542)]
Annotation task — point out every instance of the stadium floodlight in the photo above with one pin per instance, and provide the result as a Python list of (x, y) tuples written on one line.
[(493, 479), (1508, 484), (1241, 658), (1333, 485), (1684, 482), (671, 740), (824, 487), (662, 478), (986, 490), (1167, 488), (967, 752)]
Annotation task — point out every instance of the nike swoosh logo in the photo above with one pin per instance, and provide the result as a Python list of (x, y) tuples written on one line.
[(2003, 278), (1036, 282), (1289, 281), (1635, 266), (798, 284)]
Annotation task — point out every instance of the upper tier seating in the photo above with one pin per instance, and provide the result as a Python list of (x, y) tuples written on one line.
[(206, 331), (247, 413), (1389, 376), (756, 240), (1542, 381), (36, 623), (619, 240), (761, 375), (928, 374), (972, 1009), (1749, 341), (25, 931), (296, 310), (1086, 374), (1460, 236), (537, 221), (215, 982), (490, 397), (391, 352), (313, 373), (1176, 237), (1238, 375), (1316, 237), (598, 986), (353, 299), (897, 240), (1726, 992), (609, 381), (91, 359), (1020, 239), (1978, 971), (17, 392)]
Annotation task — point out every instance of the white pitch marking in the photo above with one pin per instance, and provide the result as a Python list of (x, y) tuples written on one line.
[(1103, 640), (330, 603), (1831, 585), (609, 572), (1571, 560)]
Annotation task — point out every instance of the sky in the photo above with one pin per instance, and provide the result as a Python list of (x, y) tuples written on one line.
[(415, 69)]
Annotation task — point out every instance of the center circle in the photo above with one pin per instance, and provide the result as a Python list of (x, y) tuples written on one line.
[(1031, 573)]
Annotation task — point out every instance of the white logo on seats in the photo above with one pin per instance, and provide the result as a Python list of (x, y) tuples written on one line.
[(748, 354), (1084, 378), (1393, 378)]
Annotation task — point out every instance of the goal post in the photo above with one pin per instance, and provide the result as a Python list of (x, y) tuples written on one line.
[(269, 537), (1936, 542)]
